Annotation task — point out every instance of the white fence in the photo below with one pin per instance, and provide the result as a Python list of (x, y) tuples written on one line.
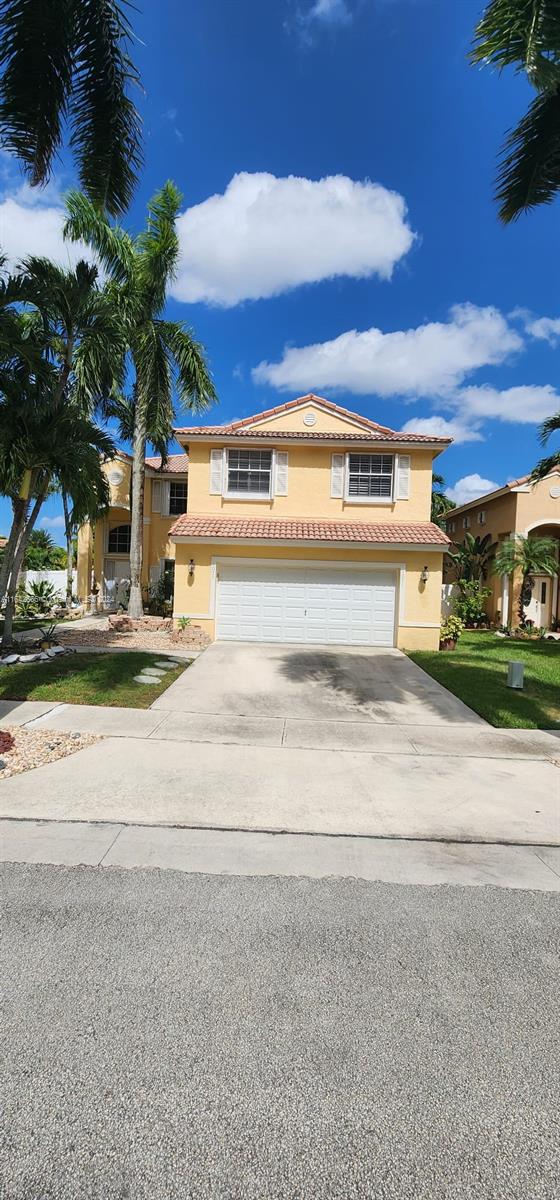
[(449, 592), (57, 578)]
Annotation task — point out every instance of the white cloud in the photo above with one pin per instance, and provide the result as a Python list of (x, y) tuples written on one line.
[(52, 522), (333, 12), (524, 405), (432, 359), (545, 328), (29, 226), (265, 235), (470, 487), (442, 427)]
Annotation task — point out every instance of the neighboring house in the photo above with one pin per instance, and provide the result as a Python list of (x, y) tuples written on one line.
[(104, 555), (308, 523), (520, 509)]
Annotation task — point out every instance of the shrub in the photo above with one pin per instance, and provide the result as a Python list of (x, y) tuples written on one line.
[(470, 604), (40, 598), (451, 629)]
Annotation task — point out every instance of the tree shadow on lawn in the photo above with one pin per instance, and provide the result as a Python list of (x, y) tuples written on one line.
[(88, 676)]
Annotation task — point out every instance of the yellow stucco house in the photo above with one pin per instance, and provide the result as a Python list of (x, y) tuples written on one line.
[(520, 509), (306, 523), (103, 553)]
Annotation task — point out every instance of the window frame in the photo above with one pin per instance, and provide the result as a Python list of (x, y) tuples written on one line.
[(390, 499), (178, 483), (116, 553), (229, 495)]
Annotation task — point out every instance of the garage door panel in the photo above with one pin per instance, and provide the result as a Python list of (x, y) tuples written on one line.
[(306, 605)]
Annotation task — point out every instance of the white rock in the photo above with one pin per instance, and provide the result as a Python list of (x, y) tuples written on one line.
[(9, 659), (54, 650), (28, 658)]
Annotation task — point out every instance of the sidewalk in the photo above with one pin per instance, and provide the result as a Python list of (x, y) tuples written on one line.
[(218, 852)]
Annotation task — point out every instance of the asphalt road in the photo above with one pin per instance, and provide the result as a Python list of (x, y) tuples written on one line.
[(169, 1035)]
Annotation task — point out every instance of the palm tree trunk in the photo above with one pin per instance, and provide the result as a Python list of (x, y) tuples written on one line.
[(135, 605), (16, 567), (19, 507), (69, 562)]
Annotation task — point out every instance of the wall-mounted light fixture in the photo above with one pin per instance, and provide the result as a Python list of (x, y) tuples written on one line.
[(191, 567), (424, 575)]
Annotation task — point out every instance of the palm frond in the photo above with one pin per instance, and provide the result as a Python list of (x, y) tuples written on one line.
[(106, 127), (111, 243), (36, 55), (158, 246), (548, 427), (529, 172), (523, 33), (194, 384), (545, 466)]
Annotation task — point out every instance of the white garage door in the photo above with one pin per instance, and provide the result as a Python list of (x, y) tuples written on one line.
[(283, 604)]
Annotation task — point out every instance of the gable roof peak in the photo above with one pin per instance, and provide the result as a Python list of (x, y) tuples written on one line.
[(310, 398)]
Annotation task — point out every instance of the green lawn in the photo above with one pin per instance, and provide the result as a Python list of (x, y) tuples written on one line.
[(476, 672), (86, 679)]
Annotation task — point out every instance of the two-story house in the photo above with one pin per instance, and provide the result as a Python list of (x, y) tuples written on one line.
[(308, 523), (520, 509), (104, 551)]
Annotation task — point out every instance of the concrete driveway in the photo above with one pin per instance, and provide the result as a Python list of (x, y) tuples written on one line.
[(313, 683), (276, 738)]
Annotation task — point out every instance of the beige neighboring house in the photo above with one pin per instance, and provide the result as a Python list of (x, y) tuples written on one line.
[(104, 552), (520, 509)]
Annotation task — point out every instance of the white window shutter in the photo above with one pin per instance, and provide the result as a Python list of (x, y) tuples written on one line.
[(281, 473), (403, 477), (156, 495), (337, 476), (216, 472), (155, 572), (165, 490)]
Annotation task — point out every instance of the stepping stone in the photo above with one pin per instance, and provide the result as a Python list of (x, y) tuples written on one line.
[(166, 666), (146, 679), (154, 671)]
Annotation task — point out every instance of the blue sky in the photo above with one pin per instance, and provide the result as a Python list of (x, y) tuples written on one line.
[(337, 161)]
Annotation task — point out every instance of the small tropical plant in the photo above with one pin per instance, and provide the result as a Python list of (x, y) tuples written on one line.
[(472, 557), (38, 600), (529, 556), (470, 605), (184, 622), (451, 629)]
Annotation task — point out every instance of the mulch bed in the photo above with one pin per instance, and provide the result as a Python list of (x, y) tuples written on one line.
[(23, 749)]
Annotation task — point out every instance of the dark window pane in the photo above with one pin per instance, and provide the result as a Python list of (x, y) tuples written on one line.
[(177, 498), (119, 540)]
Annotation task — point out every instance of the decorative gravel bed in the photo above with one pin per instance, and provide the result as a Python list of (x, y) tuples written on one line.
[(94, 639), (23, 749)]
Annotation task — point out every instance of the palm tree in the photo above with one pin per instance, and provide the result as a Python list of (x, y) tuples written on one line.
[(546, 465), (42, 553), (59, 447), (472, 557), (530, 556), (162, 353), (76, 326), (67, 61), (441, 504), (526, 34)]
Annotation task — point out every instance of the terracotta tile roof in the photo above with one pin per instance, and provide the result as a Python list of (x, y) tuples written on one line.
[(386, 533), (334, 435), (369, 431), (176, 463)]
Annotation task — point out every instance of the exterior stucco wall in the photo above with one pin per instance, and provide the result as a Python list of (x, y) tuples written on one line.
[(419, 606), (309, 490)]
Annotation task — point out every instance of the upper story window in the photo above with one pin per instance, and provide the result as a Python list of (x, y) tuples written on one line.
[(118, 541), (481, 517), (177, 497), (249, 473), (370, 475), (466, 522), (450, 525)]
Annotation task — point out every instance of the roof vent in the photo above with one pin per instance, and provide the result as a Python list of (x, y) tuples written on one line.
[(310, 419)]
